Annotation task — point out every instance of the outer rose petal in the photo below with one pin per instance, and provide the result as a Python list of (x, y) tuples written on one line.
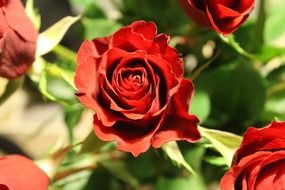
[(87, 83), (130, 136), (134, 42), (17, 40), (272, 137), (178, 124), (196, 14), (223, 16), (19, 21), (259, 171), (170, 55), (16, 55), (272, 176), (147, 29), (228, 182), (20, 173), (223, 19)]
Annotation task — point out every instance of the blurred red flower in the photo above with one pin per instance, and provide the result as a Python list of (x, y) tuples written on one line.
[(223, 16), (20, 173), (18, 39)]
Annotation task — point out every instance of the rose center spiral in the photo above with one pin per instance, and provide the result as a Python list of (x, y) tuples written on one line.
[(133, 78)]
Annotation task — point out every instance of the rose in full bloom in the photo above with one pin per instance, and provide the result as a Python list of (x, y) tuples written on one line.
[(20, 173), (18, 38), (133, 80), (259, 163), (223, 16)]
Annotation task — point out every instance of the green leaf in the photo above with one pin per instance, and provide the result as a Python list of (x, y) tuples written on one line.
[(81, 3), (33, 14), (37, 69), (274, 30), (53, 35), (72, 115), (172, 184), (172, 150), (194, 154), (91, 144), (119, 169), (9, 87), (67, 75), (237, 92), (53, 87), (99, 27), (224, 142), (275, 103), (230, 40), (216, 160), (144, 166), (200, 105)]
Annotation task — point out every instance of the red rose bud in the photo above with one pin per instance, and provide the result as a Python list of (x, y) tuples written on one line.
[(18, 39), (134, 82), (223, 16), (259, 163), (20, 173)]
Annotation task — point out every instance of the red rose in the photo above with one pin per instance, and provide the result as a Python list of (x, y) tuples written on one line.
[(259, 163), (223, 16), (134, 82), (18, 39), (20, 173)]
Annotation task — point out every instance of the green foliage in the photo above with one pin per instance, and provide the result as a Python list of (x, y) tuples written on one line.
[(9, 87), (99, 27), (119, 169), (224, 142), (200, 105), (274, 30), (91, 144), (172, 150), (54, 88), (72, 115), (33, 14), (237, 93), (53, 35), (174, 20), (179, 183)]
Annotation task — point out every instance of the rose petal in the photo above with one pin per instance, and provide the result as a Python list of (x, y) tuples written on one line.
[(230, 179), (178, 125), (86, 81), (18, 20), (16, 55), (130, 41), (227, 25), (101, 45), (272, 176), (219, 11), (133, 137), (170, 54), (20, 173), (194, 12), (147, 29), (261, 139)]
